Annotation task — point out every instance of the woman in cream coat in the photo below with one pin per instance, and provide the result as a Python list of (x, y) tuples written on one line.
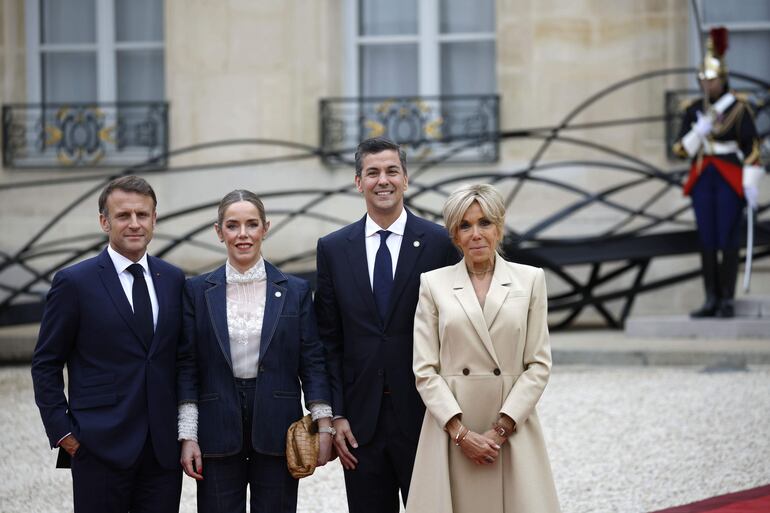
[(481, 361)]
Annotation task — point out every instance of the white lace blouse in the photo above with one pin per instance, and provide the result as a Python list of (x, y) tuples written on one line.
[(245, 311), (246, 294)]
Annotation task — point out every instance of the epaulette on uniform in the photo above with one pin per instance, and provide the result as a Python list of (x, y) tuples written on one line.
[(686, 103)]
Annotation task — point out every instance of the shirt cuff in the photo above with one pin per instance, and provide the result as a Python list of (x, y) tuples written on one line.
[(62, 438), (320, 410), (187, 421)]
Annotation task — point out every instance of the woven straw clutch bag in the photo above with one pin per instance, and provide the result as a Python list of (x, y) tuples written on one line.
[(302, 446)]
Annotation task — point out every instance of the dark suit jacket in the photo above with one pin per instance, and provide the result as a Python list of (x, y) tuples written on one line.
[(290, 351), (118, 390), (364, 352)]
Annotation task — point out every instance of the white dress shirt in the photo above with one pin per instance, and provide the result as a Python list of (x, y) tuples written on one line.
[(121, 264), (393, 242)]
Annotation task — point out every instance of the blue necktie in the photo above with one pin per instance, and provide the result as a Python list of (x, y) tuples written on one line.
[(383, 275), (140, 296)]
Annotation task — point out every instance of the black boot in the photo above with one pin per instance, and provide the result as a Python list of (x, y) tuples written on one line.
[(728, 274), (710, 281)]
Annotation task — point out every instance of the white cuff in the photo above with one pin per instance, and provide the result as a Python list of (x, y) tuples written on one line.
[(320, 410), (188, 421)]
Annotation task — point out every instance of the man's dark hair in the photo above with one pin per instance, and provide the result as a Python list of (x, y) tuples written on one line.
[(376, 145), (129, 183)]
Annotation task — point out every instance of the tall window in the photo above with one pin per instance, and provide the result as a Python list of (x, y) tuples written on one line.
[(421, 47), (748, 22), (95, 50)]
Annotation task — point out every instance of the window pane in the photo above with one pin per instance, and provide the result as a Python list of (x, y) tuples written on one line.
[(468, 68), (748, 55), (389, 70), (139, 20), (140, 75), (378, 18), (69, 77), (726, 11), (73, 21), (465, 16)]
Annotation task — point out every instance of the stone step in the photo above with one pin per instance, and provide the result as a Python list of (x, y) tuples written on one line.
[(753, 306), (682, 326)]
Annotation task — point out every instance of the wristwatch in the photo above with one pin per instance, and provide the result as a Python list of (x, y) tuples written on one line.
[(329, 430), (501, 430)]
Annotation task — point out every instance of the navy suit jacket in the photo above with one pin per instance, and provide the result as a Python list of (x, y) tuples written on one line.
[(290, 351), (118, 390), (364, 352)]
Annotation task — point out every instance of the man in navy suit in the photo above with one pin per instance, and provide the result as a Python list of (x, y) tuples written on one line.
[(114, 320), (368, 284)]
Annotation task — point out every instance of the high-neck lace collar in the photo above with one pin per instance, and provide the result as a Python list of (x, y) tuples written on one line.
[(256, 273)]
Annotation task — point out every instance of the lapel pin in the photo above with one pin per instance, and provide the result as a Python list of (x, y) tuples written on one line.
[(277, 294), (416, 244)]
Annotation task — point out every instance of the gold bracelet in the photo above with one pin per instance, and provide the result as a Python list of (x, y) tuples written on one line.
[(460, 432)]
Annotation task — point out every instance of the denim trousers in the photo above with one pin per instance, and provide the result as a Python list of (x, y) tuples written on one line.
[(225, 479)]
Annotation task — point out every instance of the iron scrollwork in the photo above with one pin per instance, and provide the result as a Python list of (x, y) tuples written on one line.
[(430, 127), (84, 135)]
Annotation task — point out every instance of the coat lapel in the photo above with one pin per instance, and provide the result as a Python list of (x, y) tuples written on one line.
[(498, 291), (463, 290), (111, 282), (357, 263), (411, 249), (216, 302), (276, 295)]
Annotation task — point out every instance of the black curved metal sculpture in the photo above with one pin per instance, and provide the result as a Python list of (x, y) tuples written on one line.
[(603, 268)]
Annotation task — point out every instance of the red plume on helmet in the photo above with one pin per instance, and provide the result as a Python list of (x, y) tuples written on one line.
[(719, 39)]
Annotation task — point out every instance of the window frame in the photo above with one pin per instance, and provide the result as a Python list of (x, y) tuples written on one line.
[(105, 48), (428, 40)]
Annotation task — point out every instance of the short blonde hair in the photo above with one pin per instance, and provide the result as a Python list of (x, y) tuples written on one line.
[(488, 198)]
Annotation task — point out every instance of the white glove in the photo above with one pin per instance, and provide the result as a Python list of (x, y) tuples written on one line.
[(751, 177), (703, 126)]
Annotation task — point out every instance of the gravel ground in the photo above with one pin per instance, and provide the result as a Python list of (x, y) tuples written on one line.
[(621, 439)]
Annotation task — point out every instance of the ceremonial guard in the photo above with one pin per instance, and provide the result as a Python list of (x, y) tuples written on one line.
[(719, 135)]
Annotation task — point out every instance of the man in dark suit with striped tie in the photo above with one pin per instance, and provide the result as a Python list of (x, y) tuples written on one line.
[(114, 320), (368, 284)]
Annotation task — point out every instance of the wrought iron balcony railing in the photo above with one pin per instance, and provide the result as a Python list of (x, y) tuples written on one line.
[(84, 134), (452, 128)]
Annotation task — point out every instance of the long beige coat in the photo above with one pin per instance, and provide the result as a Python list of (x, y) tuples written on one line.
[(480, 363)]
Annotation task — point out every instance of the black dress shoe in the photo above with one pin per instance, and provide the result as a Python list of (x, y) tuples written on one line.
[(726, 310), (709, 309)]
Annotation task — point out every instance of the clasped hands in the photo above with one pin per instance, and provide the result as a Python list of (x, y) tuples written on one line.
[(481, 448)]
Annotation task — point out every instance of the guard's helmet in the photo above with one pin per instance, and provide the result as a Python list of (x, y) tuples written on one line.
[(713, 65)]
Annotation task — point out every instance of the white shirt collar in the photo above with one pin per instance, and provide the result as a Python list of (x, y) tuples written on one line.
[(398, 226), (255, 273), (121, 263)]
